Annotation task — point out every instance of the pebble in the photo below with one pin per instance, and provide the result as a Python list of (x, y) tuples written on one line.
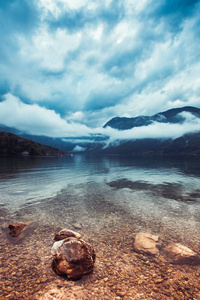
[(77, 226), (15, 258), (121, 294), (160, 280), (5, 270)]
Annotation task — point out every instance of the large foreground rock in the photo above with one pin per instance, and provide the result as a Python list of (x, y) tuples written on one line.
[(146, 243), (73, 257), (179, 254), (65, 233)]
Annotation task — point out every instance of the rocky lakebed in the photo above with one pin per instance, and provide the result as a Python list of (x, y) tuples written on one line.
[(46, 263)]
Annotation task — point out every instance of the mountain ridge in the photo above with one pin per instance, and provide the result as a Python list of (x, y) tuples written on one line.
[(169, 116)]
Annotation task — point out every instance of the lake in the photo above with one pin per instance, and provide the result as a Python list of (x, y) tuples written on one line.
[(107, 199)]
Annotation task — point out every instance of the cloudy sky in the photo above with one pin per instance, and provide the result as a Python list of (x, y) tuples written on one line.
[(68, 66)]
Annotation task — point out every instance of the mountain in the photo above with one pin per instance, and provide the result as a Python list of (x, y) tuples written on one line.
[(12, 144), (169, 116), (62, 143), (44, 140), (188, 144)]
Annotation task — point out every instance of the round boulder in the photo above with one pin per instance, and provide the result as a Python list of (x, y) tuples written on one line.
[(146, 243), (73, 258)]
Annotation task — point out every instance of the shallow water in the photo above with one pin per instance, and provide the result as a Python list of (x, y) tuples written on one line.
[(157, 192), (107, 199)]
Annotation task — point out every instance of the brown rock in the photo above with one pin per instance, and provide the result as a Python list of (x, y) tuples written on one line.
[(65, 233), (159, 280), (120, 293), (146, 243), (180, 254), (73, 257), (16, 228)]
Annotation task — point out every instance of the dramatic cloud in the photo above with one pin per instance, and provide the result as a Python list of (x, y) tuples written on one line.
[(37, 120), (79, 63)]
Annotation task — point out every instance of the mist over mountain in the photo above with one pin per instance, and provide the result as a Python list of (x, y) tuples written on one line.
[(156, 134), (173, 116), (175, 131), (188, 144)]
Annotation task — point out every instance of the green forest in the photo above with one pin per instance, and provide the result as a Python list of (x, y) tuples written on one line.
[(12, 144)]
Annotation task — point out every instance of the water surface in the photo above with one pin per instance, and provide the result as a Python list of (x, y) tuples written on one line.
[(107, 199), (159, 191)]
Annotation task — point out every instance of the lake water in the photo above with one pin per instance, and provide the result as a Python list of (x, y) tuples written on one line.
[(158, 193), (104, 197)]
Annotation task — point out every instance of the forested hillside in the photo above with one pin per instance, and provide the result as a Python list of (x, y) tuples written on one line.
[(14, 145)]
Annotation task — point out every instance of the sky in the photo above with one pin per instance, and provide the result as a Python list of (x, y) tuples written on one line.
[(69, 66)]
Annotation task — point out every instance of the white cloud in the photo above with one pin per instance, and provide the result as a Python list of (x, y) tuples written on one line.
[(57, 7), (79, 140), (126, 31), (75, 117), (134, 6), (78, 148), (37, 120), (96, 33), (49, 49)]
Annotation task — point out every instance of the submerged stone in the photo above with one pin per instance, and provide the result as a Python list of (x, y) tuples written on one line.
[(65, 233), (180, 254), (146, 243), (16, 228), (73, 257), (77, 226)]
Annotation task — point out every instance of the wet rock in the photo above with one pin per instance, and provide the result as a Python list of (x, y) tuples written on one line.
[(146, 243), (16, 228), (73, 257), (65, 233), (180, 254)]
